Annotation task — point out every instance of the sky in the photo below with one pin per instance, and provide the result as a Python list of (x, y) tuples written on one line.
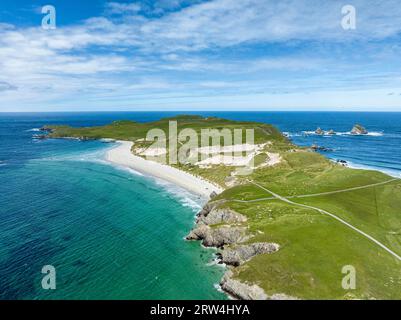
[(200, 55)]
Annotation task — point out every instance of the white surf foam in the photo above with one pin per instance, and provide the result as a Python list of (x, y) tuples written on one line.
[(392, 173), (186, 198), (346, 133)]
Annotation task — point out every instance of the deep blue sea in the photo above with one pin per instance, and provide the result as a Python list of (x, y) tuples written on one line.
[(115, 234)]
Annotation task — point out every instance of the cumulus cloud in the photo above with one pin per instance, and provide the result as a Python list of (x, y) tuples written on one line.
[(216, 39)]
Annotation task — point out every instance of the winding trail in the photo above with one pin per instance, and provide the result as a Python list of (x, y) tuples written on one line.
[(344, 190), (331, 215), (321, 193)]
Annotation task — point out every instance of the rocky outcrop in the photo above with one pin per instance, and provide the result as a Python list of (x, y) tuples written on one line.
[(315, 147), (216, 216), (46, 129), (218, 237), (241, 290), (241, 254), (213, 195), (358, 129), (331, 132), (342, 163), (234, 233), (319, 131)]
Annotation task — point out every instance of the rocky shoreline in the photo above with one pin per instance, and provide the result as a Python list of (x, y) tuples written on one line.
[(223, 228)]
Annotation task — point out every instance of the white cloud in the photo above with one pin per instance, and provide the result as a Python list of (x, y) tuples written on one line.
[(183, 52), (122, 8)]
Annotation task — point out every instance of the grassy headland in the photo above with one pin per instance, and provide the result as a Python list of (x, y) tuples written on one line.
[(314, 247)]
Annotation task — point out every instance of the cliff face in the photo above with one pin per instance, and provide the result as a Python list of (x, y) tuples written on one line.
[(243, 253)]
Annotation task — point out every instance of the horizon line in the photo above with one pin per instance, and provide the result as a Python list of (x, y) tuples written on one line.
[(218, 110)]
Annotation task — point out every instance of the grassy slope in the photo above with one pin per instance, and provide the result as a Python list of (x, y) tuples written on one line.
[(314, 247)]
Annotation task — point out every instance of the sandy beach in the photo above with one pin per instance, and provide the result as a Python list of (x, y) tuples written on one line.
[(122, 155)]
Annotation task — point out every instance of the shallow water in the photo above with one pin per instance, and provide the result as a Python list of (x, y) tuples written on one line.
[(110, 233)]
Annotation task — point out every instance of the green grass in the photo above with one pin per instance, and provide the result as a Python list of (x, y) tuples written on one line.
[(308, 173), (314, 247), (129, 130), (375, 210)]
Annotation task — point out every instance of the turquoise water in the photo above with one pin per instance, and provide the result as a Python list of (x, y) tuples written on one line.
[(115, 234), (110, 233)]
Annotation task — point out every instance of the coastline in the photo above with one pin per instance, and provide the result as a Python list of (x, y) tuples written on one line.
[(121, 155), (215, 226), (353, 165)]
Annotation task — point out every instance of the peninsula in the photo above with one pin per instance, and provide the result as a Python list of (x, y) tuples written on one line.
[(289, 228)]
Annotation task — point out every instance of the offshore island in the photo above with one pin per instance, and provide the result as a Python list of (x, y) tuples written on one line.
[(287, 229)]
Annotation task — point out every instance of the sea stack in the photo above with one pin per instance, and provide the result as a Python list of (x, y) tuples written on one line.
[(319, 131), (358, 129)]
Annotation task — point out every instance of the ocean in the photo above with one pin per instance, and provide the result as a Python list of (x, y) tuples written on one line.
[(113, 233)]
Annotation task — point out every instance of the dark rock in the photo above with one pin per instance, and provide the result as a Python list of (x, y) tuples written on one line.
[(315, 147), (213, 195), (46, 129)]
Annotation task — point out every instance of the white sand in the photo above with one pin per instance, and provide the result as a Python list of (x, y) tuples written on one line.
[(122, 155), (231, 149), (226, 160), (274, 158)]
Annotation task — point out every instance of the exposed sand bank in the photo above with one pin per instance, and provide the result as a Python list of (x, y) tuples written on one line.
[(122, 155)]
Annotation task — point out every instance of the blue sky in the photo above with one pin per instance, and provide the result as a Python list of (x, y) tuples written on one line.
[(200, 55)]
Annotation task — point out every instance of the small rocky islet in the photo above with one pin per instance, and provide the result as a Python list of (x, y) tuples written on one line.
[(357, 129)]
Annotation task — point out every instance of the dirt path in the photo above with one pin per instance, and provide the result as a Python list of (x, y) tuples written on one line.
[(321, 193), (333, 216)]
